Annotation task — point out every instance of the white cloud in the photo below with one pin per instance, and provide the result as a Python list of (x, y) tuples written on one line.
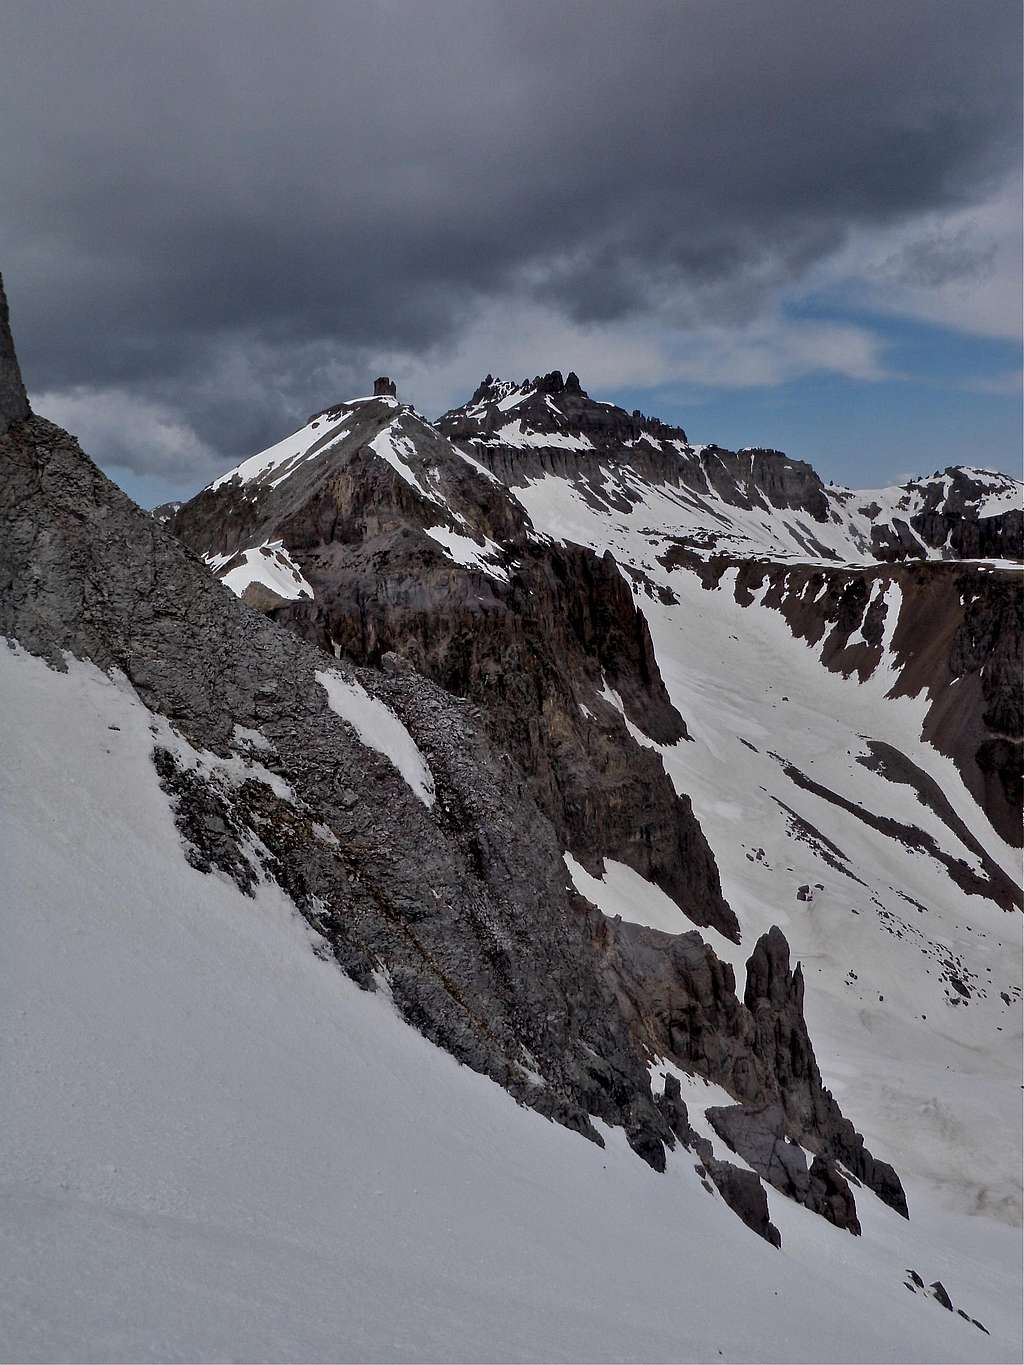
[(119, 428), (959, 269), (516, 340)]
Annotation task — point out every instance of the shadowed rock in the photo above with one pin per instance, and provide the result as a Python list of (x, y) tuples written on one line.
[(774, 997), (758, 1135)]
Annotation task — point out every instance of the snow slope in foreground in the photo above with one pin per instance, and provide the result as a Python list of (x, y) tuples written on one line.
[(214, 1146)]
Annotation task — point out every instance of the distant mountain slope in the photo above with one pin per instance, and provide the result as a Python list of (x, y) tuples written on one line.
[(751, 502), (375, 546)]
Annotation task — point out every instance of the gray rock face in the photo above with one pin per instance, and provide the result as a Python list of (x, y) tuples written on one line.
[(758, 1134), (13, 399), (745, 1195)]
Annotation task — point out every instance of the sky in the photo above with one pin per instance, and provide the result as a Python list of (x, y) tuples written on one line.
[(785, 224)]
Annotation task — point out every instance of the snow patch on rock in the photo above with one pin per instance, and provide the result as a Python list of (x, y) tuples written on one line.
[(379, 728)]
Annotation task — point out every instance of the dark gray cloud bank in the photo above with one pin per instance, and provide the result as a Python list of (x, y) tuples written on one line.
[(219, 216)]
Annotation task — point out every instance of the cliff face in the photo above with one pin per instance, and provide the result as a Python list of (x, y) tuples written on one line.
[(13, 401)]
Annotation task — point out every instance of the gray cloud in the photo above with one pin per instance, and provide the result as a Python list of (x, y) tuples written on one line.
[(222, 208)]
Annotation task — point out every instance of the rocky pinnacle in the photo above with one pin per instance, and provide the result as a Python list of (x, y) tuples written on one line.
[(13, 401)]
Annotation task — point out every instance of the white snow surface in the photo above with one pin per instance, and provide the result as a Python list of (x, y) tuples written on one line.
[(520, 437), (216, 1147), (379, 728), (468, 552), (622, 891), (286, 455), (709, 524), (269, 564)]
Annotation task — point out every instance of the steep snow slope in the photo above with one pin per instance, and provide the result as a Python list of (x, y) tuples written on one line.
[(214, 1146)]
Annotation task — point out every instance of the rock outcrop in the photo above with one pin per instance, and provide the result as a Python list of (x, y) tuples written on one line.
[(758, 1134), (947, 519), (774, 998), (681, 1001)]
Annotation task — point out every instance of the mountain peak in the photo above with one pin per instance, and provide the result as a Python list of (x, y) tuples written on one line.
[(554, 384), (548, 411)]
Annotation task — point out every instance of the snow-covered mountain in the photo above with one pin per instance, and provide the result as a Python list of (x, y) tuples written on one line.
[(748, 502), (483, 755)]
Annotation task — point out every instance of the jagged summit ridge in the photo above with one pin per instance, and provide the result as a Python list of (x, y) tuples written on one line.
[(548, 412), (547, 434)]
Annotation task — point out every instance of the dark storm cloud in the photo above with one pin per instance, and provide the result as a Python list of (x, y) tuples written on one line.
[(220, 205)]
